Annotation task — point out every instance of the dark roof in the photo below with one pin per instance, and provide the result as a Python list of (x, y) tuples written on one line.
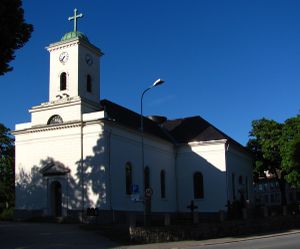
[(196, 129), (190, 129), (130, 119), (178, 131)]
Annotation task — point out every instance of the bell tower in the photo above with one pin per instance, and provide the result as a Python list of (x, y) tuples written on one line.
[(74, 66)]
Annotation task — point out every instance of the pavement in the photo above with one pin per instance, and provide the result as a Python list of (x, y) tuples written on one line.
[(19, 235), (215, 243)]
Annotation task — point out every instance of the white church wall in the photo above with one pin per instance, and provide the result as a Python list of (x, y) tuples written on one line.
[(33, 151), (239, 165), (160, 156), (125, 147), (70, 112), (209, 159), (95, 167)]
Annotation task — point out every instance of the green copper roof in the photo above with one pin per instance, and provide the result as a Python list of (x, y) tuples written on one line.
[(74, 34)]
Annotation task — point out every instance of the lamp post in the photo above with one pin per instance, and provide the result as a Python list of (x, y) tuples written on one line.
[(147, 204)]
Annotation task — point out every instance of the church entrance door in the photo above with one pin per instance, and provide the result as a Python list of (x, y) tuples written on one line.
[(56, 199)]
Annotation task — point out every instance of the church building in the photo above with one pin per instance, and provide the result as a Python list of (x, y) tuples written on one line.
[(80, 155)]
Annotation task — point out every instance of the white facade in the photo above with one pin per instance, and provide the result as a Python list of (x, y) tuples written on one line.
[(73, 154)]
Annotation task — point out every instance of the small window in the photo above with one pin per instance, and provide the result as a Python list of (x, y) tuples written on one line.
[(198, 186), (162, 184), (89, 83), (55, 119), (147, 177), (128, 178), (63, 81)]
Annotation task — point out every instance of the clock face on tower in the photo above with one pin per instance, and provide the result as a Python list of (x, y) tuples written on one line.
[(63, 57), (88, 59)]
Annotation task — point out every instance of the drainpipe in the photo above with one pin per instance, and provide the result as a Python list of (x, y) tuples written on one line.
[(47, 201), (68, 183), (226, 170), (176, 178), (81, 166), (109, 175)]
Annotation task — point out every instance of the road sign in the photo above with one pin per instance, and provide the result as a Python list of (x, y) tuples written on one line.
[(135, 188)]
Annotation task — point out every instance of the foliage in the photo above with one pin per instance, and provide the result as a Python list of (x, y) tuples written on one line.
[(6, 168), (7, 214), (14, 32), (265, 145), (276, 148), (290, 150)]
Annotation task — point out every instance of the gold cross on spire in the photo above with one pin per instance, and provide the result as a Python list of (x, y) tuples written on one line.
[(75, 19)]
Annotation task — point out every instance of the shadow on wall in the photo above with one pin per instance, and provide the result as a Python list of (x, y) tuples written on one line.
[(29, 188), (92, 175), (33, 188)]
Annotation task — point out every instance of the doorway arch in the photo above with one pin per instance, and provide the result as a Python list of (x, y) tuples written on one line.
[(56, 199)]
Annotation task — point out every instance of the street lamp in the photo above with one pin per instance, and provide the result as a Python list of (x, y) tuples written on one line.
[(147, 203)]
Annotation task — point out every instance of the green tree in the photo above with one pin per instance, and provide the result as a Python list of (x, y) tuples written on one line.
[(7, 181), (276, 148), (265, 143), (290, 150), (14, 32)]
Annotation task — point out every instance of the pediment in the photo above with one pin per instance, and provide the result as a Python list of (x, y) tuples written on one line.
[(54, 169)]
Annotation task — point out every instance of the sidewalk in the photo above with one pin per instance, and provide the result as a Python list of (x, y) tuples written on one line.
[(203, 243)]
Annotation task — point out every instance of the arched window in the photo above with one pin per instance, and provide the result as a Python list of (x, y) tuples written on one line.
[(241, 180), (147, 177), (198, 186), (162, 184), (128, 178), (233, 185), (55, 119), (63, 81), (89, 83)]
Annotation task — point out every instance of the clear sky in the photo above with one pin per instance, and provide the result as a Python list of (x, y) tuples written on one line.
[(228, 61)]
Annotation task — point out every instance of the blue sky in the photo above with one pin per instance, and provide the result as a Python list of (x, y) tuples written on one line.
[(228, 61)]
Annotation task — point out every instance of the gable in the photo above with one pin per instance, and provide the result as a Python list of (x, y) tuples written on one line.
[(54, 169)]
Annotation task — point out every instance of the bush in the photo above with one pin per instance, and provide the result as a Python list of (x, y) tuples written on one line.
[(7, 214)]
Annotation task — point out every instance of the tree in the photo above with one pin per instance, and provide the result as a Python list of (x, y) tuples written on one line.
[(276, 148), (290, 150), (14, 32), (265, 143), (7, 155)]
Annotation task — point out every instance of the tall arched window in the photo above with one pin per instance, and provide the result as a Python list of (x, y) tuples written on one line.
[(233, 185), (89, 83), (63, 81), (241, 180), (198, 186), (162, 184), (128, 178), (147, 177)]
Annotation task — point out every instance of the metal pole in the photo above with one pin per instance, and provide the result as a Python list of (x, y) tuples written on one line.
[(143, 157), (147, 203)]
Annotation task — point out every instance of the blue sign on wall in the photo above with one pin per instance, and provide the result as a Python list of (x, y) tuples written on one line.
[(135, 188)]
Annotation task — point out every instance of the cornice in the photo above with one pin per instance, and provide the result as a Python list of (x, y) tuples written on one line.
[(210, 142), (72, 42), (43, 128), (63, 103)]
